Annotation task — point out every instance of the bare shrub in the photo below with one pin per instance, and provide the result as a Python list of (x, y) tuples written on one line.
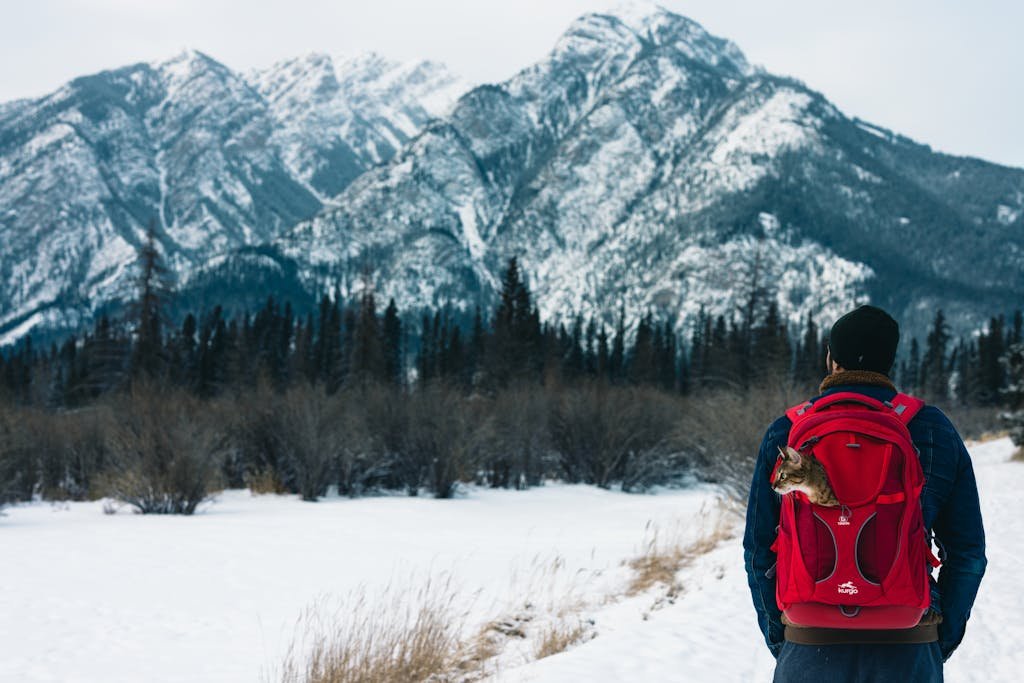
[(559, 637), (518, 447), (164, 452), (722, 432), (604, 433), (384, 415), (656, 455), (252, 424), (19, 466), (72, 449), (310, 433), (376, 421), (443, 438), (406, 637), (979, 423)]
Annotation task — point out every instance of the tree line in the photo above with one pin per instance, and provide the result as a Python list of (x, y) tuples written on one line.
[(348, 397)]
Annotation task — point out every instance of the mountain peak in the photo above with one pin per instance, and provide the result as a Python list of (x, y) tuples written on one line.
[(310, 76), (651, 21), (187, 58), (639, 15), (186, 65)]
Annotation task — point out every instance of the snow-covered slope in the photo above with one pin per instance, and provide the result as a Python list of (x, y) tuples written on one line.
[(335, 121), (92, 597), (215, 161), (644, 163)]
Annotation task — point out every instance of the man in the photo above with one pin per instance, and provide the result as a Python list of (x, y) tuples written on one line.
[(862, 350)]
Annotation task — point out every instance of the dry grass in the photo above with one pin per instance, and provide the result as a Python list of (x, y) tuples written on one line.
[(420, 636), (265, 481), (559, 637), (659, 562), (397, 638), (1018, 455)]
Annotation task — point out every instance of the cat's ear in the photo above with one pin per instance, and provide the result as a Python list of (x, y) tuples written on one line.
[(794, 455), (782, 453)]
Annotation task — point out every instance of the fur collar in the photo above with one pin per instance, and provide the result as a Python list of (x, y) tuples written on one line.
[(875, 379)]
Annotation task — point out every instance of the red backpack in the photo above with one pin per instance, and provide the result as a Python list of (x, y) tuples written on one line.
[(862, 564)]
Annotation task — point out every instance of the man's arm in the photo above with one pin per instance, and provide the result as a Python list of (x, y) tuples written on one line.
[(959, 529), (762, 519)]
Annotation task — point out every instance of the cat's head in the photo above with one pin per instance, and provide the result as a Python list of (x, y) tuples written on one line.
[(792, 472)]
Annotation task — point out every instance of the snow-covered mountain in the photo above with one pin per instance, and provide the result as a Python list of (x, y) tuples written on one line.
[(645, 163), (216, 160), (642, 163), (335, 121)]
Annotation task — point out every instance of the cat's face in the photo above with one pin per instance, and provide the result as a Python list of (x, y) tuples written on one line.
[(792, 472)]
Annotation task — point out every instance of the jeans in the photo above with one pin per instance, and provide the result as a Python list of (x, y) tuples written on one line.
[(899, 663)]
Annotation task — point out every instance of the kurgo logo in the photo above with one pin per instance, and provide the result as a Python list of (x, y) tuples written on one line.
[(847, 588)]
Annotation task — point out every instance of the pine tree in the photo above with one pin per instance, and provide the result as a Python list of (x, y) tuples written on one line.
[(771, 353), (617, 359), (366, 358), (934, 371), (147, 312), (515, 350), (590, 350), (991, 347), (910, 377), (698, 346), (1013, 392), (602, 354), (574, 362), (641, 367), (667, 358), (393, 365), (808, 368), (425, 359), (477, 347)]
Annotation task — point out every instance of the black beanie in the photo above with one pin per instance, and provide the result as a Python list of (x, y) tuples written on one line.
[(865, 339)]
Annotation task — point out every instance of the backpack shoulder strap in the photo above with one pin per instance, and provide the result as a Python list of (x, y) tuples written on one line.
[(799, 411), (906, 407)]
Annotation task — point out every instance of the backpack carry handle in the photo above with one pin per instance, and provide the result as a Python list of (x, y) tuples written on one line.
[(904, 406)]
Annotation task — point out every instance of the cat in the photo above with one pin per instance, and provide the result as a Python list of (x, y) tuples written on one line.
[(803, 472)]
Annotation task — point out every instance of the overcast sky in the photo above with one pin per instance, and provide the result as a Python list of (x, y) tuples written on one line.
[(945, 72)]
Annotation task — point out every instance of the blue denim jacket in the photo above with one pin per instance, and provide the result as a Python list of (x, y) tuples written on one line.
[(949, 502)]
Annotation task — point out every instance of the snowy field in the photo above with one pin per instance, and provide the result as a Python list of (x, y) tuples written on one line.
[(86, 596)]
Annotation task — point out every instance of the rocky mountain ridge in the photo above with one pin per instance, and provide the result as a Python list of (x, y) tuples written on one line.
[(642, 165)]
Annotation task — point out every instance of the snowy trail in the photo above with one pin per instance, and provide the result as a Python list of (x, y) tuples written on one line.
[(90, 597), (710, 634)]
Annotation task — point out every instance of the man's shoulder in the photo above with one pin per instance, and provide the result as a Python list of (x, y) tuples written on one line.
[(937, 422), (778, 431)]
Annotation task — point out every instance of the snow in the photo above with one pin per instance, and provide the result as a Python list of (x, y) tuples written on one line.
[(55, 133), (637, 14), (467, 216), (780, 123), (874, 130), (11, 336), (769, 223), (1007, 215), (711, 633), (214, 597)]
